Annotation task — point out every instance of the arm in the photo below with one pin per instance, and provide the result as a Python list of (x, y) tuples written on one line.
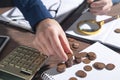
[(50, 37), (33, 10)]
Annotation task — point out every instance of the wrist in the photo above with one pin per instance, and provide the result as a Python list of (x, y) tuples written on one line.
[(44, 23)]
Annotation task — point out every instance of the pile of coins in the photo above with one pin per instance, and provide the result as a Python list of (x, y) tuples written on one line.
[(62, 66), (81, 57), (86, 58)]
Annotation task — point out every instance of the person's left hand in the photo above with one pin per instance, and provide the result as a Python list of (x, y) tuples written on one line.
[(100, 7)]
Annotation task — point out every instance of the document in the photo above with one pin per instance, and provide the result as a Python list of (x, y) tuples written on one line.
[(106, 35), (104, 55)]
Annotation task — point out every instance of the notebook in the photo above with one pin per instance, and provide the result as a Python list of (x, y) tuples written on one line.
[(104, 54), (106, 35)]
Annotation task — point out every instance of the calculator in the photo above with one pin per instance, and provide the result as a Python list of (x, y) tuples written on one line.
[(23, 62)]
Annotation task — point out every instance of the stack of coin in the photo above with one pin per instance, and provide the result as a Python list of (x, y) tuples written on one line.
[(91, 56), (61, 67), (69, 62)]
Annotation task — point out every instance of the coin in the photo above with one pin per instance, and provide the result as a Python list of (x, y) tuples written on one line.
[(117, 30)]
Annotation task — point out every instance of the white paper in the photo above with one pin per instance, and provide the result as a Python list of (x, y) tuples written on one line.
[(106, 35), (104, 54), (113, 38), (14, 17), (66, 5)]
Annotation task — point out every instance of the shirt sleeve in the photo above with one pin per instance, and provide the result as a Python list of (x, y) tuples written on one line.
[(33, 10), (115, 1)]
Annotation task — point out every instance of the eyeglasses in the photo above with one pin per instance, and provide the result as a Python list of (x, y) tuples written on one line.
[(53, 9)]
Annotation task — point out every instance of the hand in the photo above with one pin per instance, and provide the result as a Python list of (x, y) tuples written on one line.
[(51, 39), (100, 7)]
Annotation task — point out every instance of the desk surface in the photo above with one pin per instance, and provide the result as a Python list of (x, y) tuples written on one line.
[(23, 37)]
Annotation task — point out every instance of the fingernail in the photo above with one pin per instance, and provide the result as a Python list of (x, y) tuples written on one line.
[(92, 5), (65, 58), (90, 1)]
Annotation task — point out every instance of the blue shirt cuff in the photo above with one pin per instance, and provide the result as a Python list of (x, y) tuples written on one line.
[(33, 10), (115, 1)]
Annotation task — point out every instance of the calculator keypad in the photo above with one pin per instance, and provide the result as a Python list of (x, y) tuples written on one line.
[(27, 59)]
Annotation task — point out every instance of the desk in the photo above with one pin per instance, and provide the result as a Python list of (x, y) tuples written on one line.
[(23, 37)]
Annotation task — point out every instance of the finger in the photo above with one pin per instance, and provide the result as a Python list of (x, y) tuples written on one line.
[(90, 1), (47, 46), (98, 4), (100, 11), (65, 44), (56, 44), (95, 10)]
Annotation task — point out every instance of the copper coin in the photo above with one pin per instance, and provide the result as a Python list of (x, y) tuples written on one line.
[(70, 56), (69, 63), (61, 67), (83, 54), (99, 65), (77, 56), (73, 78), (75, 45), (87, 68), (110, 66), (91, 56), (86, 61), (71, 39), (117, 30), (81, 73), (78, 60)]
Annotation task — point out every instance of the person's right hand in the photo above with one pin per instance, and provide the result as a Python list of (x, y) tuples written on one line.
[(100, 7), (51, 39)]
